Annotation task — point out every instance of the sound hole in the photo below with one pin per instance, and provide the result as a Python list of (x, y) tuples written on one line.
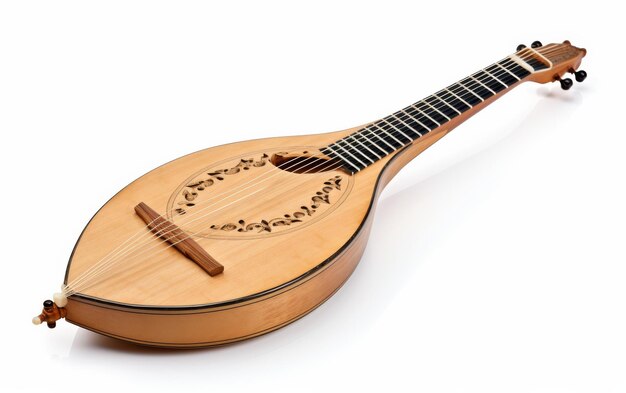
[(303, 162)]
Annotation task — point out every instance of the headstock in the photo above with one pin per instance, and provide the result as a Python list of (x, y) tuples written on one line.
[(552, 61)]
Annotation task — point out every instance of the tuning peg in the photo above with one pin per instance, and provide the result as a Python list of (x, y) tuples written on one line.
[(566, 83), (536, 44), (520, 47), (580, 75)]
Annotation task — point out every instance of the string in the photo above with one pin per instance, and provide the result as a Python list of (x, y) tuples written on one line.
[(485, 76), (125, 249), (500, 72), (146, 232), (74, 288), (149, 234), (75, 282), (74, 285)]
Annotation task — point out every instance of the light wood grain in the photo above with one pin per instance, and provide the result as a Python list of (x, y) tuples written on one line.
[(270, 278)]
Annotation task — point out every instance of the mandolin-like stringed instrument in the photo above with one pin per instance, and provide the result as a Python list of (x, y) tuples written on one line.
[(238, 240)]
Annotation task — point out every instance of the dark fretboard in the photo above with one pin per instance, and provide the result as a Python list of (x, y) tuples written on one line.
[(380, 138)]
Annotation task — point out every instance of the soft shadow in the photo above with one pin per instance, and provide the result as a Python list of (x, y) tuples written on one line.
[(88, 341), (574, 95)]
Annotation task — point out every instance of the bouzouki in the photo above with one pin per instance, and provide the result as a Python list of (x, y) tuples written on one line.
[(238, 240)]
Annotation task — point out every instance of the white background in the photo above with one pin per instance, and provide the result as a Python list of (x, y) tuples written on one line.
[(496, 262)]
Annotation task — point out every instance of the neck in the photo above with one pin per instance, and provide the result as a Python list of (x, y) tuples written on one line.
[(440, 111)]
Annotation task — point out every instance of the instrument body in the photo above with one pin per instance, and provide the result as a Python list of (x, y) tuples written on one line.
[(268, 281), (241, 239)]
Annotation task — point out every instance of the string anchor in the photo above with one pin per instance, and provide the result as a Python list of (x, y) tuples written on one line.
[(52, 311)]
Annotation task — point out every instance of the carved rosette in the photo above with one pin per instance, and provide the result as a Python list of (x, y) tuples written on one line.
[(266, 225), (203, 204), (192, 190)]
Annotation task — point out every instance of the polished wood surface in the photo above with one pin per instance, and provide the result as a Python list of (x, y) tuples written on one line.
[(267, 281), (253, 261), (178, 239), (316, 275), (287, 239)]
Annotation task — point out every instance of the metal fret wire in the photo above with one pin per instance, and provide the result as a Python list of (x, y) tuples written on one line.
[(420, 113)]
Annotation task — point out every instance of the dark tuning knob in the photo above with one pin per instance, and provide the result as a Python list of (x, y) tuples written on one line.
[(50, 314), (566, 83), (536, 44), (580, 75), (520, 47)]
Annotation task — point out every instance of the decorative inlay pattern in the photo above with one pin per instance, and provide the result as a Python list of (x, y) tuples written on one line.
[(221, 200), (265, 225), (191, 190)]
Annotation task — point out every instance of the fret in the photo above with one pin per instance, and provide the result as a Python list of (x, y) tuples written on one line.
[(352, 147), (414, 121), (508, 71), (352, 157), (442, 107), (398, 124), (346, 163), (375, 135), (430, 113), (382, 137), (450, 99), (487, 80), (373, 144), (390, 133), (514, 69), (477, 88), (495, 77), (413, 130), (517, 69), (354, 154), (483, 85), (505, 73), (432, 105), (398, 129), (372, 154), (502, 75), (430, 123), (459, 98), (467, 93), (352, 151)]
